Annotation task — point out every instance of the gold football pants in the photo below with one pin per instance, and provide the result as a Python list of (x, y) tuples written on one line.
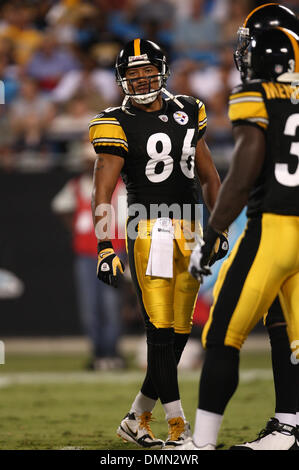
[(165, 302), (264, 263)]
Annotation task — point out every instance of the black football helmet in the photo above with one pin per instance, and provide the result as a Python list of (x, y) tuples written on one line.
[(266, 16), (139, 52), (273, 54)]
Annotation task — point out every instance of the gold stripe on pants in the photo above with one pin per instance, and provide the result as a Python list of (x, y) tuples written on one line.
[(256, 271)]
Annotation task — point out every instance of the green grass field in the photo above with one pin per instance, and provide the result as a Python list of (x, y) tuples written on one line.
[(49, 401)]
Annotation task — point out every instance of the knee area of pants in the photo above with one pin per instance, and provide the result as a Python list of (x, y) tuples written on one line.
[(160, 336)]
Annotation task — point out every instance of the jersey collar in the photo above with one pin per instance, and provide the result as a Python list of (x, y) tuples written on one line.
[(133, 109)]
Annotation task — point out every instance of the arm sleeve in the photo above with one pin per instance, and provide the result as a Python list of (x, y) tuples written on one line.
[(202, 119), (248, 107), (107, 136)]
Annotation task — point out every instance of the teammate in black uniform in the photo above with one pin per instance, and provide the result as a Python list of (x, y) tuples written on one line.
[(284, 372), (156, 144), (264, 262)]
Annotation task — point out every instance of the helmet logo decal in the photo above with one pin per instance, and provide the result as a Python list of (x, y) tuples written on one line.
[(278, 69), (163, 117), (181, 117), (137, 58)]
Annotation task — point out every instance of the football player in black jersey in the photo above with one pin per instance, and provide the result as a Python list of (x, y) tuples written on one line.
[(156, 144), (284, 372), (264, 263)]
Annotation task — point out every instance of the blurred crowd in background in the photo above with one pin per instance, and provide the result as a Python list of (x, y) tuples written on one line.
[(57, 64)]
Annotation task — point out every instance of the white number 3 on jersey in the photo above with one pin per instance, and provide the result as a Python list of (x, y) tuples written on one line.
[(282, 173)]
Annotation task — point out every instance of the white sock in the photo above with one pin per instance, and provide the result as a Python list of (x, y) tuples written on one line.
[(286, 418), (173, 410), (207, 425), (142, 403), (297, 418)]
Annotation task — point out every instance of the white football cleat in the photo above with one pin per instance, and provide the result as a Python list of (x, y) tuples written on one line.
[(275, 436), (137, 429), (190, 445), (179, 432)]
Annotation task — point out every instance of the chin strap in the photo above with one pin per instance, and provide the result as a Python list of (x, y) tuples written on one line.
[(163, 90), (172, 97), (123, 106)]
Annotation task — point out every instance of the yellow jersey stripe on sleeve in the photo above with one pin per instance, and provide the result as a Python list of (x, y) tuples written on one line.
[(245, 99), (202, 124), (110, 141), (107, 132), (101, 121), (246, 94), (202, 117), (248, 106), (110, 144), (260, 121)]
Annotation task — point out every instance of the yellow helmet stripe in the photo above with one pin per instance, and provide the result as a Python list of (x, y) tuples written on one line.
[(137, 47), (295, 47), (256, 9)]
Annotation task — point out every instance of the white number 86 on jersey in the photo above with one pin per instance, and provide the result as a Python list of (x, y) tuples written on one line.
[(163, 156)]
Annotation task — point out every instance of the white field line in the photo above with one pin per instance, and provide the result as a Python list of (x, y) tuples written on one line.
[(40, 378)]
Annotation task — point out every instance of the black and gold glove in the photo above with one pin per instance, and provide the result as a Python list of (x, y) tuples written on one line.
[(109, 265), (208, 250), (221, 247)]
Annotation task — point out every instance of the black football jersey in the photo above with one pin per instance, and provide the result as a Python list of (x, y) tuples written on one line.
[(273, 107), (158, 149)]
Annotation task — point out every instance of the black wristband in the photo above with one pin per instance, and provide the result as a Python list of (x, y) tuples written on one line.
[(104, 245), (210, 237)]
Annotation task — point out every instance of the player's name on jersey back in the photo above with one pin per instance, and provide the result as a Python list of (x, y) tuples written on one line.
[(281, 90)]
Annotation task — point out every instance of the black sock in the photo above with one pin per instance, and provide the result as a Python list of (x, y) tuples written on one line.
[(219, 378), (180, 341), (161, 366), (285, 374), (163, 371), (148, 389)]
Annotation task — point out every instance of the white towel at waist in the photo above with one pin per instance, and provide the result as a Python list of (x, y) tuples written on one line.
[(160, 261)]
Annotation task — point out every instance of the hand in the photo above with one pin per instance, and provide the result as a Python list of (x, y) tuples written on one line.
[(220, 249), (211, 248), (109, 265), (198, 265)]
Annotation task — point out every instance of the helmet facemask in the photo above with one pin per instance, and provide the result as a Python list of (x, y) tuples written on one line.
[(138, 53), (143, 98), (242, 54), (269, 55), (152, 93)]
